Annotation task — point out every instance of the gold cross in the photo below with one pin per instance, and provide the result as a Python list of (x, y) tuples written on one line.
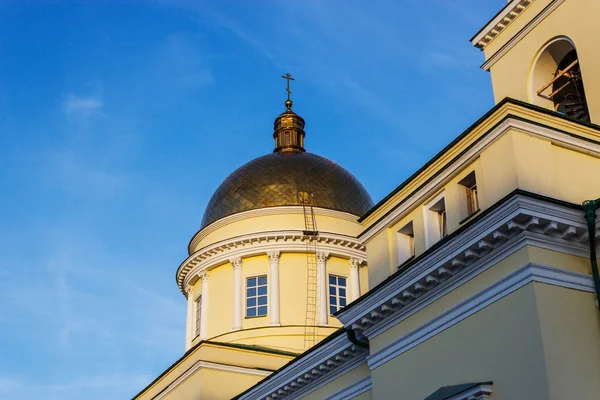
[(289, 78)]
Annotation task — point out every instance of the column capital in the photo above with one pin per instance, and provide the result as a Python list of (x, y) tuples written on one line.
[(274, 256), (188, 291), (354, 263), (236, 262), (322, 256), (204, 275)]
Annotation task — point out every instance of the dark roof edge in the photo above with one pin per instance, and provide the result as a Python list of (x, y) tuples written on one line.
[(465, 133)]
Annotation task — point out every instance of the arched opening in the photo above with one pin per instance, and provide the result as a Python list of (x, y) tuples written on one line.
[(556, 80)]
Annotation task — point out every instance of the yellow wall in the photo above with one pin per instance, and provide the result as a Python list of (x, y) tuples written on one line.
[(516, 160), (570, 328), (576, 20), (340, 383), (190, 387), (293, 293), (276, 222), (501, 269), (501, 343)]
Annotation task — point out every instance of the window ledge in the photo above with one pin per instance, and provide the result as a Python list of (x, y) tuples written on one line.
[(257, 316)]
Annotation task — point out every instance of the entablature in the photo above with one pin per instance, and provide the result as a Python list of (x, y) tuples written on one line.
[(258, 243), (520, 219), (500, 22)]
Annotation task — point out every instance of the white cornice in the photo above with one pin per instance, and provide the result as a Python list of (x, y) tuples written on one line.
[(312, 371), (519, 221), (443, 177), (261, 243), (209, 365), (497, 25), (521, 34), (261, 212), (527, 274)]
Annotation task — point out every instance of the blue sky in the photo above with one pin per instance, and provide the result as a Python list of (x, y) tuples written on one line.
[(118, 120)]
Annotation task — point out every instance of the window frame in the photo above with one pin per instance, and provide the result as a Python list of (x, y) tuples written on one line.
[(256, 296), (405, 242), (469, 196), (337, 294), (197, 315), (436, 222)]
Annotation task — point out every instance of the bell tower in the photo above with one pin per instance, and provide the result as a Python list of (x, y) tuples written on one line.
[(544, 52)]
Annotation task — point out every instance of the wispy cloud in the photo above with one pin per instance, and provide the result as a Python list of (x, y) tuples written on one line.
[(75, 104)]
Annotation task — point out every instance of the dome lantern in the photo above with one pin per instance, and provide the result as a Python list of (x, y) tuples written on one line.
[(289, 126)]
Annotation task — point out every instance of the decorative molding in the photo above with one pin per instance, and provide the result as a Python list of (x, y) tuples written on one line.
[(209, 365), (516, 223), (527, 274), (521, 34), (443, 177), (480, 392), (261, 212), (359, 387), (236, 262), (322, 256), (497, 25), (262, 243), (274, 256), (314, 370)]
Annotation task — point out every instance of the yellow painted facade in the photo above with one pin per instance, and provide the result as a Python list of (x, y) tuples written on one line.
[(471, 280)]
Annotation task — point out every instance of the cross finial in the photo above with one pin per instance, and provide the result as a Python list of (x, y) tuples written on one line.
[(289, 78)]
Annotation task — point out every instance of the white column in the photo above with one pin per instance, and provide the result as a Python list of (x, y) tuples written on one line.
[(323, 314), (204, 305), (274, 288), (189, 326), (237, 293), (354, 279)]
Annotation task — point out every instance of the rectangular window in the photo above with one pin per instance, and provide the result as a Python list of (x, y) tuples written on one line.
[(436, 222), (256, 296), (198, 314), (469, 196), (406, 243), (337, 293)]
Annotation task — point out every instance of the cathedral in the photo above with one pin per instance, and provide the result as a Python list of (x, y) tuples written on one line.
[(474, 279)]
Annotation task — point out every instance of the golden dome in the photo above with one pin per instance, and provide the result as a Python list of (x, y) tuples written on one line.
[(275, 180)]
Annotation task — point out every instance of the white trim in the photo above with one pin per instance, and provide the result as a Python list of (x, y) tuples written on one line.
[(209, 365), (544, 224), (524, 32), (262, 243), (526, 274), (350, 392), (245, 295), (525, 239), (326, 379), (315, 369), (261, 212), (500, 22), (443, 177)]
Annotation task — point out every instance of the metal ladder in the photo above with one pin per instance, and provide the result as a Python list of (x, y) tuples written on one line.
[(310, 237)]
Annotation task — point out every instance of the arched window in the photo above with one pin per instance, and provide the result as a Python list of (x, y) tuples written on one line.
[(556, 80)]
